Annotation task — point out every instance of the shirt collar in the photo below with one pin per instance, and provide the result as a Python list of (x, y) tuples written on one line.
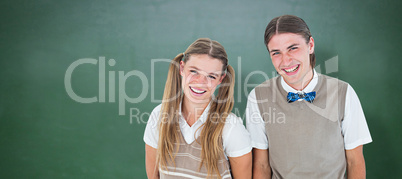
[(309, 88), (203, 116)]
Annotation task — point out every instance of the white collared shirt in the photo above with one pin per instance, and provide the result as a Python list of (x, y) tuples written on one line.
[(235, 137), (354, 126)]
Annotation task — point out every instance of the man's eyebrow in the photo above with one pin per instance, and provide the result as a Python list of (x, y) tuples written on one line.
[(274, 50), (291, 46)]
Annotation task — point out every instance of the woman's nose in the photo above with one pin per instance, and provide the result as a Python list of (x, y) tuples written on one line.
[(201, 79)]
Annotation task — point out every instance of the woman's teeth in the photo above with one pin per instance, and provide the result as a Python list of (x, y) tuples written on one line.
[(197, 91), (291, 69)]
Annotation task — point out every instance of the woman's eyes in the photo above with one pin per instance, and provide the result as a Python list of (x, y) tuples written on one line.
[(209, 76), (193, 71), (212, 77)]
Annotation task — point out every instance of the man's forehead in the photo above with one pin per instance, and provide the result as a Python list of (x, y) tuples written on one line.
[(284, 42)]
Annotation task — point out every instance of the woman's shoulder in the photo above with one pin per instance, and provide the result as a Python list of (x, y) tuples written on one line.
[(233, 120), (236, 139), (232, 117), (151, 134), (157, 108), (154, 116)]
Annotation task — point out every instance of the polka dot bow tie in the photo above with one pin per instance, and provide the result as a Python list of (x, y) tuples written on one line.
[(292, 97)]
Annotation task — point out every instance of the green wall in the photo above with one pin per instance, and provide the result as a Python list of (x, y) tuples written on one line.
[(45, 133)]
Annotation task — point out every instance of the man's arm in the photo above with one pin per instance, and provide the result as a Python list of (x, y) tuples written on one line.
[(261, 167), (241, 166), (150, 162), (356, 167)]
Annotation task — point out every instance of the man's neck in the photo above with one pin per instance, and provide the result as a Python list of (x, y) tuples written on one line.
[(304, 82)]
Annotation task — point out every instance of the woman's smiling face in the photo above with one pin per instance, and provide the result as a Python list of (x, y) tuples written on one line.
[(201, 75)]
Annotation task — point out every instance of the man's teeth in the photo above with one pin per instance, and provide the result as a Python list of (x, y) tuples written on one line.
[(292, 69), (197, 91)]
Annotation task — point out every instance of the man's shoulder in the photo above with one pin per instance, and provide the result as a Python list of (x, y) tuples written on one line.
[(268, 83), (330, 78)]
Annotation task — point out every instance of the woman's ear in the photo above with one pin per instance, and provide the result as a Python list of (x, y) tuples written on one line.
[(181, 66), (222, 77)]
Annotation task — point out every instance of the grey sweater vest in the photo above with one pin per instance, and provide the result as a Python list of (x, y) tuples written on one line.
[(188, 160), (305, 139)]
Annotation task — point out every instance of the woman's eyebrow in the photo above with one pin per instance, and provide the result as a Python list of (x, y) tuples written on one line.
[(215, 74), (203, 71), (195, 68)]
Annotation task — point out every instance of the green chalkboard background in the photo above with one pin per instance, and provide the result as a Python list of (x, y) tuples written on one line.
[(103, 51)]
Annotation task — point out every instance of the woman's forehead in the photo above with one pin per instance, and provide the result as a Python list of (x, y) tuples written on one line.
[(205, 63)]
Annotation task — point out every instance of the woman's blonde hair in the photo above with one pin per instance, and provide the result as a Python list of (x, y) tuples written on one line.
[(221, 106)]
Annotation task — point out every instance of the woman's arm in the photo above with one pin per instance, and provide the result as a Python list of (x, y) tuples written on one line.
[(261, 167), (150, 162), (241, 167)]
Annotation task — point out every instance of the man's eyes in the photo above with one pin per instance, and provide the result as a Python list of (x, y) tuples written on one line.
[(275, 53)]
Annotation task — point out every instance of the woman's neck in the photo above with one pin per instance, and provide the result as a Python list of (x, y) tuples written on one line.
[(192, 111)]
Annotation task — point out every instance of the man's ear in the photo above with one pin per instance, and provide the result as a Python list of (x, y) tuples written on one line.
[(311, 45), (181, 68)]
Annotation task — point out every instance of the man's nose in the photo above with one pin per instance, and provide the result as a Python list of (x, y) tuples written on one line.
[(286, 59)]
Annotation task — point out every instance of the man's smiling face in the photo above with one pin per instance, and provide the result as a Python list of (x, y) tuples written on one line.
[(290, 54)]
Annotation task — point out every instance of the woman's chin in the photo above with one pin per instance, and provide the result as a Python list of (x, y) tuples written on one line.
[(198, 99)]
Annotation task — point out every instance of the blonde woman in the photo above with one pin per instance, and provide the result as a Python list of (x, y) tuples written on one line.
[(193, 133)]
